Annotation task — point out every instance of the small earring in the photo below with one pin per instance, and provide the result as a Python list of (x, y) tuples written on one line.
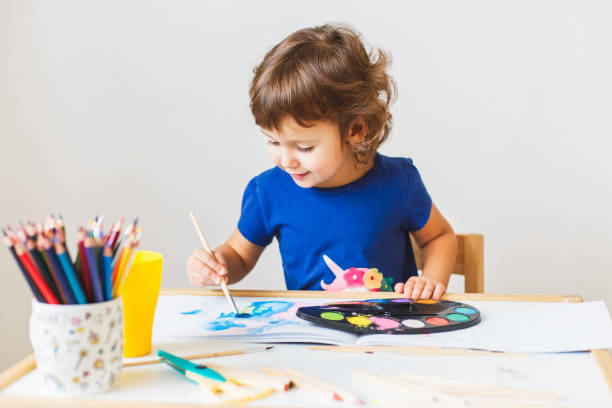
[(364, 148)]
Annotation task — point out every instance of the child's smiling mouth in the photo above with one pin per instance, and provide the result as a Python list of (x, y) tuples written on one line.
[(299, 176)]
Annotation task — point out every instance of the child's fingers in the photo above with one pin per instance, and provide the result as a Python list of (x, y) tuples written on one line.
[(417, 289), (200, 273), (428, 290), (408, 287), (439, 291), (399, 287), (210, 261), (221, 260)]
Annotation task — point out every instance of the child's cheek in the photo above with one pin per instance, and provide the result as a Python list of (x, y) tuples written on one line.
[(274, 155)]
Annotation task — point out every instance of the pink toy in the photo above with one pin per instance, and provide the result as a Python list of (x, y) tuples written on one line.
[(354, 279)]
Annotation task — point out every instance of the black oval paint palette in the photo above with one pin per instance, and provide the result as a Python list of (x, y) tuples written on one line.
[(392, 316)]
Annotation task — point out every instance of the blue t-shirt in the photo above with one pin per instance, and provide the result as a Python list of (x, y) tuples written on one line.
[(363, 224)]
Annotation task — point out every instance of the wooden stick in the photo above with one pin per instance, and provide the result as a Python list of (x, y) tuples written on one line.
[(302, 383), (466, 297), (198, 356), (414, 350), (217, 391), (226, 291), (604, 359), (15, 372), (248, 377), (473, 389), (405, 387), (343, 394)]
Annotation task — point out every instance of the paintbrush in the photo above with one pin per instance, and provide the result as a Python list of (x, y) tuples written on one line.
[(226, 291)]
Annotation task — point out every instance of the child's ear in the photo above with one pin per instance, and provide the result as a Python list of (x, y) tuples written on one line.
[(357, 130)]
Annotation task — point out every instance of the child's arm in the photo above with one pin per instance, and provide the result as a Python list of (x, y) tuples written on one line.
[(439, 248), (234, 260)]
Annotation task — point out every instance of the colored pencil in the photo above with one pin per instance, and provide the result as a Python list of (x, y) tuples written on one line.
[(85, 272), (44, 269), (73, 281), (107, 259), (35, 275), (115, 268), (61, 234), (58, 271), (44, 260), (92, 262), (96, 231), (30, 230), (122, 266), (41, 242), (226, 291), (61, 227), (128, 231), (114, 234), (26, 275)]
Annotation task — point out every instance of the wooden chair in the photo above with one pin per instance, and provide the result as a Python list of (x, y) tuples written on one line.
[(469, 263)]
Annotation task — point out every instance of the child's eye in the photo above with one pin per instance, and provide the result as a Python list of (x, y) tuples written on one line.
[(305, 149), (272, 142)]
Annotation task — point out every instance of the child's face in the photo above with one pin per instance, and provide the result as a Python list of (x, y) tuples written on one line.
[(314, 156)]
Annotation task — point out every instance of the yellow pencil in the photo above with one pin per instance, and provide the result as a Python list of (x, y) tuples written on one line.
[(121, 265), (124, 261)]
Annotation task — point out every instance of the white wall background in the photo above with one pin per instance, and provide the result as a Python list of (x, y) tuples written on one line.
[(140, 108)]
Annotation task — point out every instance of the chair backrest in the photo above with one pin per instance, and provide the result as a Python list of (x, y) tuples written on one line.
[(469, 263)]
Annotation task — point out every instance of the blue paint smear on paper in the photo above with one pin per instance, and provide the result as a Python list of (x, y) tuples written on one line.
[(217, 325), (192, 312), (256, 311)]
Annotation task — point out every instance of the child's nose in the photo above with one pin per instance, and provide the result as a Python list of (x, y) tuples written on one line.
[(288, 160)]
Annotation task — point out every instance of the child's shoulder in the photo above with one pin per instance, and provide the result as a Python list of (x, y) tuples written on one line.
[(274, 174), (398, 166), (271, 177)]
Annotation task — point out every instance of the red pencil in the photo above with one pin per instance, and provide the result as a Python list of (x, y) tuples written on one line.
[(84, 266), (114, 233), (38, 259), (35, 275)]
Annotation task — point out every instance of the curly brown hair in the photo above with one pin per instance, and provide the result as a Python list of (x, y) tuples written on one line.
[(325, 73)]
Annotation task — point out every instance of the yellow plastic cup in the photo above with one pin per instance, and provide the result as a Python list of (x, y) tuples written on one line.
[(139, 293)]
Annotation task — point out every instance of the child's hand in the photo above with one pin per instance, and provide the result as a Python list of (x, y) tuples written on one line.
[(204, 270), (421, 287)]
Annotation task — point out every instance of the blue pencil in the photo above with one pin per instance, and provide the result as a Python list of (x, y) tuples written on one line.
[(107, 259), (70, 274), (92, 261), (61, 277)]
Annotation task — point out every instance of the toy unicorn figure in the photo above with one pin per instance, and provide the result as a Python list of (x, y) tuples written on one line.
[(356, 279)]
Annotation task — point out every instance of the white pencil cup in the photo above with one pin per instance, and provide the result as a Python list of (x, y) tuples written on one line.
[(78, 348)]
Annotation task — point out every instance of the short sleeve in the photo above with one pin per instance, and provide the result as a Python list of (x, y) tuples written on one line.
[(418, 201), (252, 224)]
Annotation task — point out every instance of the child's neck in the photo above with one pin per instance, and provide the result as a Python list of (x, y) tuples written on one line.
[(350, 171)]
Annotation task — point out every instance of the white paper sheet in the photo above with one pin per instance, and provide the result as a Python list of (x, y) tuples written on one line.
[(524, 327), (276, 322)]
